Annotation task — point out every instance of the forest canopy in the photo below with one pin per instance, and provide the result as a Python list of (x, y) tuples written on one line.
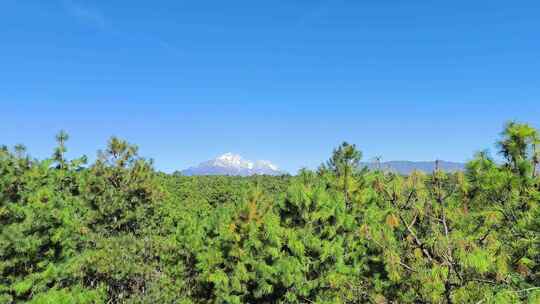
[(118, 231)]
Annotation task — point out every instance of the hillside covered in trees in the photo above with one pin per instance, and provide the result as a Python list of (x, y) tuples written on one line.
[(118, 231)]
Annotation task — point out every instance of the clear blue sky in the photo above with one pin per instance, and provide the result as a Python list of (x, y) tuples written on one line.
[(279, 80)]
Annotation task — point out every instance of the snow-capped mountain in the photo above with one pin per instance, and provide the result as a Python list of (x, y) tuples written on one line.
[(233, 164)]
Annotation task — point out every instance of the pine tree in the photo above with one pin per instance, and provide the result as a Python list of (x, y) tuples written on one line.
[(344, 163)]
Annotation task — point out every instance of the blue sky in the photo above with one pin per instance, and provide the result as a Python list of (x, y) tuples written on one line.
[(279, 80)]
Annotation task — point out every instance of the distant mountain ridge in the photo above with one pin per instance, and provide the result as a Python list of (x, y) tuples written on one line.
[(407, 167), (233, 164)]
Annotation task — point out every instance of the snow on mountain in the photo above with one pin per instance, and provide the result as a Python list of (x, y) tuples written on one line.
[(232, 160), (233, 164)]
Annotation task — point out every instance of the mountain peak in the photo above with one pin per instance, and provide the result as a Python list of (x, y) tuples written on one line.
[(233, 164), (232, 160), (229, 156)]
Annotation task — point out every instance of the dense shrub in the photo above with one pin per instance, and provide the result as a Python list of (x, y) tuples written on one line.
[(117, 231)]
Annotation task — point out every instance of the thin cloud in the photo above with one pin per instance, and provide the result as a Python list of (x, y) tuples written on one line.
[(92, 16), (85, 14)]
